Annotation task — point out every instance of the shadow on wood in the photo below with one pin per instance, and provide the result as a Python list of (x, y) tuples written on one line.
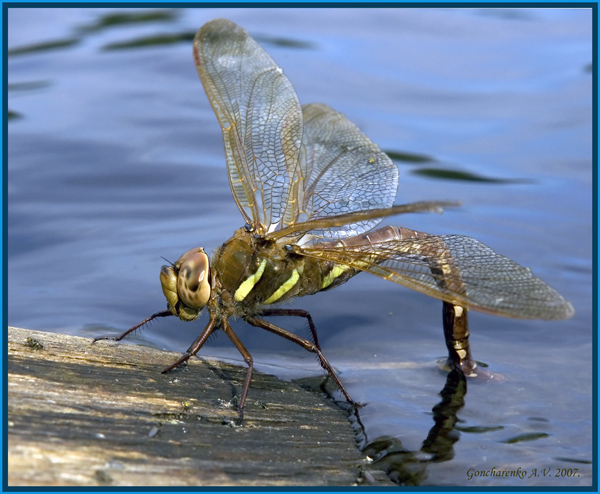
[(84, 414)]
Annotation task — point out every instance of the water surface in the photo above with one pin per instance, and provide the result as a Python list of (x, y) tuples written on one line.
[(115, 159)]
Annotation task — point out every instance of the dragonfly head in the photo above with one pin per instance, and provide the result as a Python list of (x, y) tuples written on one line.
[(186, 284)]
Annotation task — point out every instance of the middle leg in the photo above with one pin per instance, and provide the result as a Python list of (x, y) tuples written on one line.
[(299, 313), (307, 345)]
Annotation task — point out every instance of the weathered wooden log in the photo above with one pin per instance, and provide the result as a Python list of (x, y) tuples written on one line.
[(83, 414)]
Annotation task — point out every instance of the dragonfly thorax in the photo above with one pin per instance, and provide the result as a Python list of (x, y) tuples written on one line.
[(186, 284)]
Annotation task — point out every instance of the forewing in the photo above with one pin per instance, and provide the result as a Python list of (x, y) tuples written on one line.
[(259, 114), (341, 171), (454, 268)]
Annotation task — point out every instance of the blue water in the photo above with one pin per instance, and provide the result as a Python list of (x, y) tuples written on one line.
[(115, 159)]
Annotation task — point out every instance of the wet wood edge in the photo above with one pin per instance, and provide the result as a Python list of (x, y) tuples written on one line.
[(102, 414)]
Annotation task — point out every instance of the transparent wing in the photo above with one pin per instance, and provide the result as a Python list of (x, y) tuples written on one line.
[(341, 171), (259, 114), (454, 268)]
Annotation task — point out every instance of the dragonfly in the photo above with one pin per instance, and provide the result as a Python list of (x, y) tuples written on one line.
[(312, 188)]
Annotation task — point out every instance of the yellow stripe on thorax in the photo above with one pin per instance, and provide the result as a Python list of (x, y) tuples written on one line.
[(333, 274), (285, 287), (246, 287)]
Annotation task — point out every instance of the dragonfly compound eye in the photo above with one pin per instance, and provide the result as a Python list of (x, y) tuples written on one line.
[(168, 282), (193, 284)]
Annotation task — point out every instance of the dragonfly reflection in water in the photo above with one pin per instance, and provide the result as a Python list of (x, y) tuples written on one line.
[(311, 188)]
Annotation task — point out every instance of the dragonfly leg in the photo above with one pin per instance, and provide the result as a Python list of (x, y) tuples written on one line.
[(197, 345), (248, 359), (456, 332), (163, 313), (307, 345), (299, 313)]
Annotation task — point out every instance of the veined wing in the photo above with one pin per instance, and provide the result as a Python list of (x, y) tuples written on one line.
[(454, 268), (341, 171), (259, 114)]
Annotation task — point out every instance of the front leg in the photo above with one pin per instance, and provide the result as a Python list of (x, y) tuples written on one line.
[(249, 361), (196, 346), (163, 313)]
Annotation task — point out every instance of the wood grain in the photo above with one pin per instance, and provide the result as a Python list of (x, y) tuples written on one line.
[(83, 414)]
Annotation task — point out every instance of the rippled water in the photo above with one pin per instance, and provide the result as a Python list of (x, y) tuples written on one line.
[(115, 159)]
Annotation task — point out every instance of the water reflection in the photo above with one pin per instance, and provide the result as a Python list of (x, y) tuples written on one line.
[(115, 19), (58, 44), (447, 174), (409, 468), (154, 40), (121, 19), (110, 21)]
